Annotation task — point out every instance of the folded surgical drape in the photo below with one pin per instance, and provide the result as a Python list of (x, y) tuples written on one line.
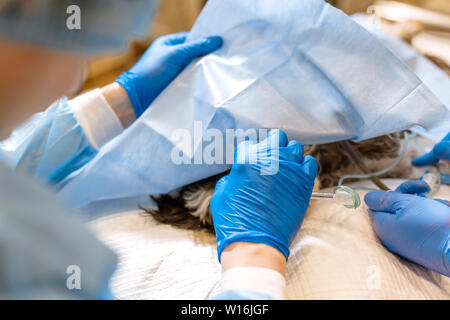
[(301, 66)]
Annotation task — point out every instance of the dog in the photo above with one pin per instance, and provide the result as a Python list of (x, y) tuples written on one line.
[(190, 208)]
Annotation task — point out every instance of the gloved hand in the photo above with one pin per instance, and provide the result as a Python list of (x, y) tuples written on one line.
[(418, 188), (414, 227), (160, 64), (249, 206), (441, 151)]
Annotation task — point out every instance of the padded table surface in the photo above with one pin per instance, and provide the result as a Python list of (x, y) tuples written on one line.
[(336, 255)]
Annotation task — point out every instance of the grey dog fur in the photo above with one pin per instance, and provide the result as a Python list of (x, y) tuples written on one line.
[(190, 209)]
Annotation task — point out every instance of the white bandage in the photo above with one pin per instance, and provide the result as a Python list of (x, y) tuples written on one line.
[(256, 279), (96, 117)]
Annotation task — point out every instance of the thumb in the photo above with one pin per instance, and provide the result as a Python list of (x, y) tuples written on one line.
[(442, 150), (425, 159), (310, 167), (220, 185), (388, 201), (197, 48), (293, 152), (276, 138), (413, 187)]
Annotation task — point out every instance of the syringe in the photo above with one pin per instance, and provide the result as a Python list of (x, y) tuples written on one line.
[(433, 179), (342, 195)]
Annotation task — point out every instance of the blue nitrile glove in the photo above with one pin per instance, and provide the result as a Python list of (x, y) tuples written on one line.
[(441, 151), (415, 228), (417, 187), (160, 64), (250, 205)]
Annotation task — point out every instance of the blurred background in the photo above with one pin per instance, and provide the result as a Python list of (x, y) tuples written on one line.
[(425, 24)]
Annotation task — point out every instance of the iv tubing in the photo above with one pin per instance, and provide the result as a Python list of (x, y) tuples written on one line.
[(378, 173)]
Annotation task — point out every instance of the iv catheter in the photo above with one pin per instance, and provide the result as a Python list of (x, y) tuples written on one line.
[(342, 195), (434, 181), (350, 199)]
